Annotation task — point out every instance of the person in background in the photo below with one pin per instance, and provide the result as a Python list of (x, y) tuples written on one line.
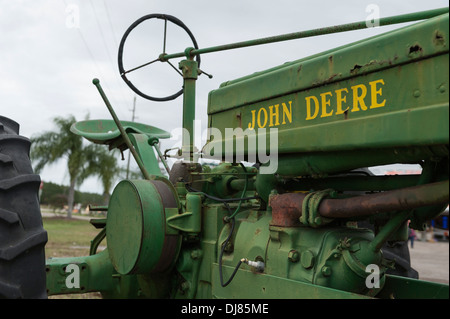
[(411, 236)]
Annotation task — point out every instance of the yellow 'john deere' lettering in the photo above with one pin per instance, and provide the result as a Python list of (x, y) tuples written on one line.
[(270, 116), (328, 103)]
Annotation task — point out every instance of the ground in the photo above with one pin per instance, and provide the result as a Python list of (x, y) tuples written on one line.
[(431, 260)]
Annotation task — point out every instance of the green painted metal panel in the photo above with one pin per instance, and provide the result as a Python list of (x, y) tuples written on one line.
[(248, 285), (408, 288), (96, 273), (374, 94), (397, 47)]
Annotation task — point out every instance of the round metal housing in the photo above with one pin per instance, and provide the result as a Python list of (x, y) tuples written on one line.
[(136, 227)]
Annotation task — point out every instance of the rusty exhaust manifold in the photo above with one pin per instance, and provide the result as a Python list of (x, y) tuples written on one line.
[(287, 208)]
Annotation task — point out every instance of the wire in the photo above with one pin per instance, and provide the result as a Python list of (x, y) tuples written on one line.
[(233, 222), (101, 32), (102, 35), (225, 200), (243, 193), (110, 24), (218, 199), (227, 219), (93, 60)]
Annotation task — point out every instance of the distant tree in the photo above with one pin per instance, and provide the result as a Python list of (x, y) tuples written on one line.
[(52, 146), (57, 201), (55, 196), (88, 198)]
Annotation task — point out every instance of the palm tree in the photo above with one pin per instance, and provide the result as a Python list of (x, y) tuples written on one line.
[(104, 165), (51, 146)]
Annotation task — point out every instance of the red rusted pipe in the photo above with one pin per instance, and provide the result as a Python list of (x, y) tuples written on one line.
[(287, 208)]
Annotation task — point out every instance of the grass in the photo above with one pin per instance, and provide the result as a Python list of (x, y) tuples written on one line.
[(69, 238)]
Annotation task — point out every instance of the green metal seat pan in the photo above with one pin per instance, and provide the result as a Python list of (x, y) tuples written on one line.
[(104, 131)]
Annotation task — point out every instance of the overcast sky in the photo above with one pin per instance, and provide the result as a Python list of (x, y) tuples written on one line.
[(51, 50)]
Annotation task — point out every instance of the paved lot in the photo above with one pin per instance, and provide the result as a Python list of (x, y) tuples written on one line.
[(431, 260)]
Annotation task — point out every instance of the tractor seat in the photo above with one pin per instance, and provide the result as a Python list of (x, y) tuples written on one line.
[(106, 131)]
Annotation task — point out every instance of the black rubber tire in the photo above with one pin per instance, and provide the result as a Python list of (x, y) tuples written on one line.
[(399, 253), (22, 236)]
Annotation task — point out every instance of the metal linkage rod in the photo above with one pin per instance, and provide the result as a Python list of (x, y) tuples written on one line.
[(314, 32), (96, 82)]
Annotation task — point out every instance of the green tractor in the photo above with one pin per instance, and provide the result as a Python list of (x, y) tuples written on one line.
[(292, 211)]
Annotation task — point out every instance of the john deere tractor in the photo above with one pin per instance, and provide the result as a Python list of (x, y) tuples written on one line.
[(292, 209)]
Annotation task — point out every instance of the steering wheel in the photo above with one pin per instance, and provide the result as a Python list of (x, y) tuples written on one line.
[(123, 72)]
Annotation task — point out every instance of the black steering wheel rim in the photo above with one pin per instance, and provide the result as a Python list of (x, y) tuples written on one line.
[(122, 71)]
